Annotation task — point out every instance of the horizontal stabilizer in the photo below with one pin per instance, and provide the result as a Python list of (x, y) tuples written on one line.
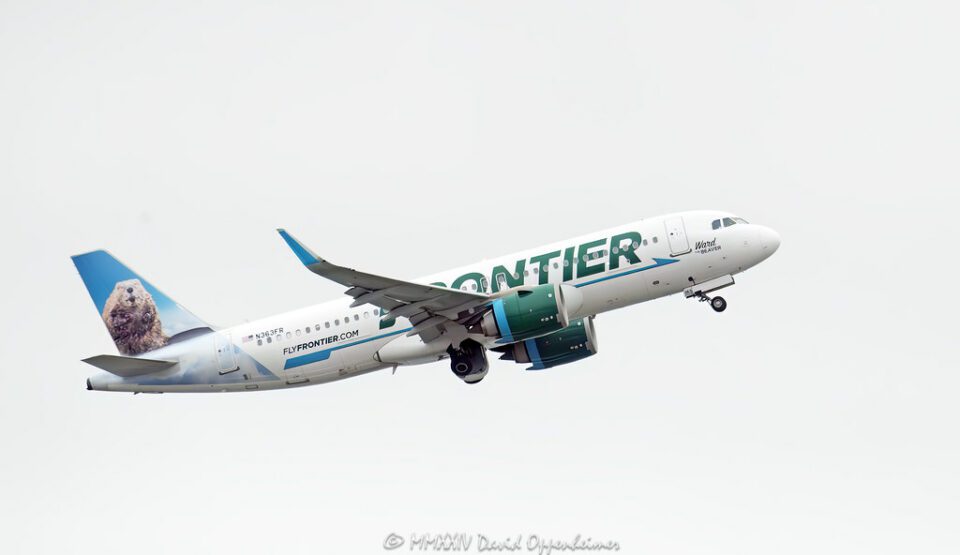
[(128, 367)]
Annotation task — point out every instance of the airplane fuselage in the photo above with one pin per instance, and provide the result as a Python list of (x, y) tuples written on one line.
[(610, 269)]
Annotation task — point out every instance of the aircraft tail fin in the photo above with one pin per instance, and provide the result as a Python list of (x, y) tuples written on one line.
[(128, 367), (138, 316)]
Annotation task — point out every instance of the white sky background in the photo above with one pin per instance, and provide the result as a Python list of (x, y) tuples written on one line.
[(818, 414)]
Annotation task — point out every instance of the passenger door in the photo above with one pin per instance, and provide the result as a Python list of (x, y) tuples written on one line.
[(677, 236), (226, 357)]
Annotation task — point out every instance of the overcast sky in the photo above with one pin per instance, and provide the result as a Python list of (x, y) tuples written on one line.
[(817, 414)]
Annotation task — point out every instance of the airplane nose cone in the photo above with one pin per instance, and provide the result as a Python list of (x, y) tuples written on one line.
[(770, 240)]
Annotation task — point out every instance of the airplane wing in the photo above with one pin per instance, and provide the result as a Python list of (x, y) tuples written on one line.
[(428, 307)]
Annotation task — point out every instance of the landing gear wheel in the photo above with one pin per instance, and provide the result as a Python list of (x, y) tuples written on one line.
[(460, 368), (718, 304), (469, 362)]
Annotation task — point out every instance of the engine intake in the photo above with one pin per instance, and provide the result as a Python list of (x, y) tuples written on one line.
[(574, 342)]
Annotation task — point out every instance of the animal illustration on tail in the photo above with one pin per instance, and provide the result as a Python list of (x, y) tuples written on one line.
[(132, 319), (137, 315)]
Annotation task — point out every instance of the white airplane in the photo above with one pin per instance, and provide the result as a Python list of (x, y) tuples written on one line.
[(534, 307)]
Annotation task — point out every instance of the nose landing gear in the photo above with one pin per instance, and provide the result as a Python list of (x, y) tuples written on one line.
[(718, 304)]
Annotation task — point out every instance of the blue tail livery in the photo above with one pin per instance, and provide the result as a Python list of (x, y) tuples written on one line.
[(139, 317)]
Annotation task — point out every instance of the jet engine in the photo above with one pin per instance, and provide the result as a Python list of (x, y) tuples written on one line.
[(572, 343), (529, 312)]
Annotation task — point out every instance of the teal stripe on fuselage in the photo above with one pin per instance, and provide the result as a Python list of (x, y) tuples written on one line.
[(319, 356), (659, 262)]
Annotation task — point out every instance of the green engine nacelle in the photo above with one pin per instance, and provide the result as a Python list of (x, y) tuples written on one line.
[(572, 343), (529, 312)]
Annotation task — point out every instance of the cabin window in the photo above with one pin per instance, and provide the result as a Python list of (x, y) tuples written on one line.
[(483, 283), (317, 327), (644, 243), (376, 312), (635, 245), (556, 266), (526, 273), (307, 329), (366, 314), (259, 341), (654, 239), (269, 340), (298, 333), (516, 275), (566, 263), (289, 335), (616, 250), (336, 322), (716, 224), (536, 270), (356, 317)]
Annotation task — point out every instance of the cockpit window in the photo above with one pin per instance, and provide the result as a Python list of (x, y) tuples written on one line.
[(727, 222)]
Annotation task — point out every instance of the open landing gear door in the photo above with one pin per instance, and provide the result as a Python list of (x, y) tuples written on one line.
[(677, 236)]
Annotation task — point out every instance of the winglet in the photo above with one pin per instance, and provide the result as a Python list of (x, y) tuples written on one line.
[(303, 253)]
